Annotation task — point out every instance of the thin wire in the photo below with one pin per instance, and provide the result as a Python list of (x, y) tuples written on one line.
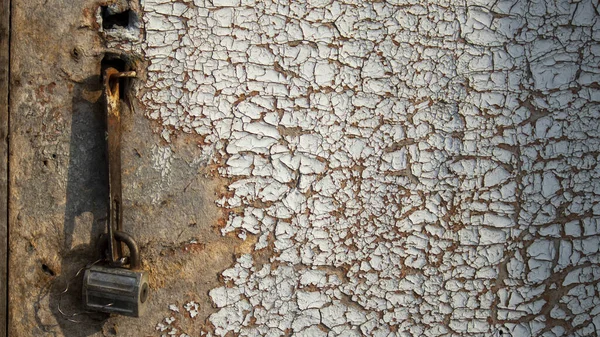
[(69, 317)]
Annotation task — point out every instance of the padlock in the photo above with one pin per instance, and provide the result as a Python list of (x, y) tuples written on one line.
[(117, 290), (110, 287)]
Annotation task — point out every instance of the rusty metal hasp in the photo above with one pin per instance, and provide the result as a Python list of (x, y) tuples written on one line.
[(111, 287)]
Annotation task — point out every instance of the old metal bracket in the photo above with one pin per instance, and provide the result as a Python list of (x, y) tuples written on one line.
[(111, 287)]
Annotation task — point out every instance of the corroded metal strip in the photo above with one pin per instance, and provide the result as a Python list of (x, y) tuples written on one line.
[(113, 121)]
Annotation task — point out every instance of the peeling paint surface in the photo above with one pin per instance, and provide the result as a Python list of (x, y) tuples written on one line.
[(408, 168)]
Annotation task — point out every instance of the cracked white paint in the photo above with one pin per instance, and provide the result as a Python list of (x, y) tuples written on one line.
[(415, 168), (162, 157)]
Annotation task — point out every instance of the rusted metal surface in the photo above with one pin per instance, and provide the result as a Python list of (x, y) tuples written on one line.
[(425, 168), (4, 88), (59, 184), (115, 203)]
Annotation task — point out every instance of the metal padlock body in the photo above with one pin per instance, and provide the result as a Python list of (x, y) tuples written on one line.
[(115, 290)]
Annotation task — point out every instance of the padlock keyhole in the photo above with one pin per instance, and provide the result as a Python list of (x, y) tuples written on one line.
[(144, 294)]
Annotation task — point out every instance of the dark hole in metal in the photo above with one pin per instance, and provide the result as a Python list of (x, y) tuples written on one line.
[(120, 63), (111, 19), (47, 270), (115, 61), (76, 53)]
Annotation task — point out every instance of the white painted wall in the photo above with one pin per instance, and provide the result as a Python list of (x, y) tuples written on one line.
[(416, 168)]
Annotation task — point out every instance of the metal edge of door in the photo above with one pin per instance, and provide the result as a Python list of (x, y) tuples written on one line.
[(4, 130)]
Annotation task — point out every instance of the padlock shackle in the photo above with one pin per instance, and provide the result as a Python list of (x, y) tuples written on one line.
[(134, 250), (120, 236)]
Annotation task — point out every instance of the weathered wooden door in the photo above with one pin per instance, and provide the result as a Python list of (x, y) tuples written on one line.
[(308, 168)]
